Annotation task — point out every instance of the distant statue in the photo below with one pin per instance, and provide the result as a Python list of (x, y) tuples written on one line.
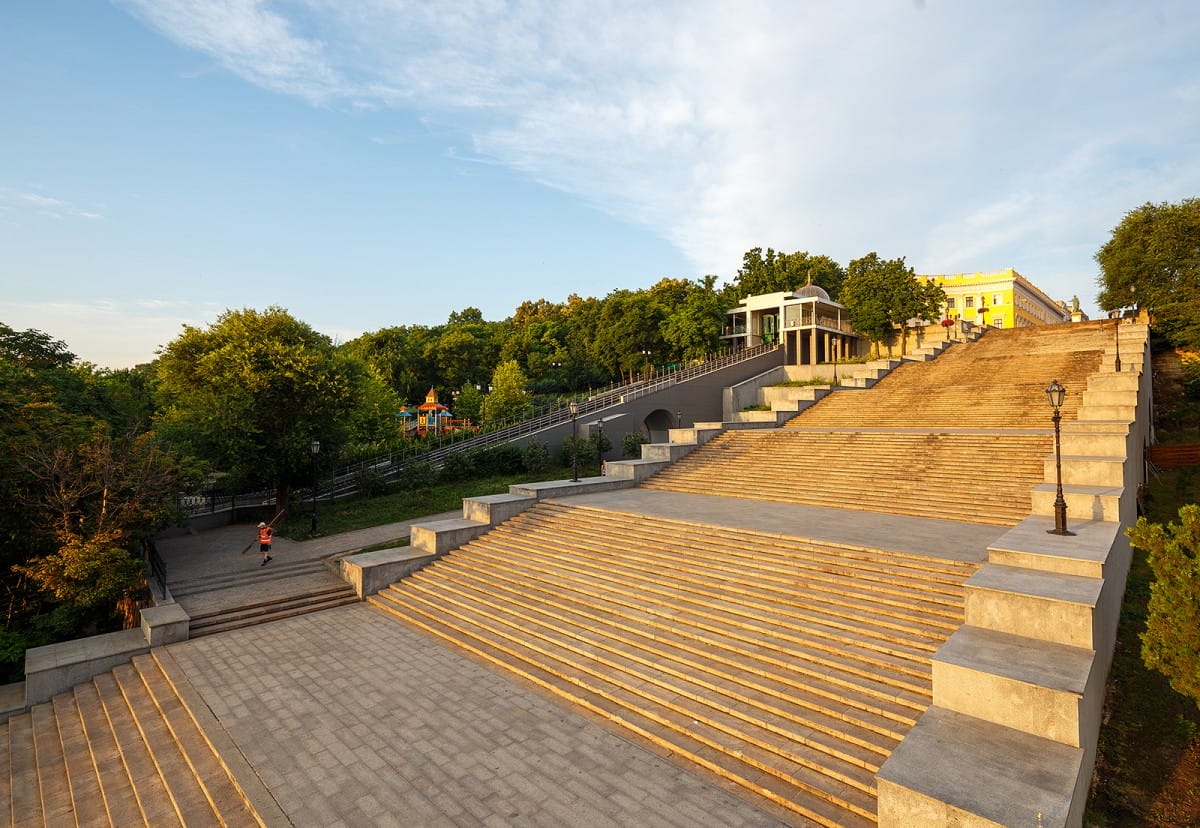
[(1075, 304)]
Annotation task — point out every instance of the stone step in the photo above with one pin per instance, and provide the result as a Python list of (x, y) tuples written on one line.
[(954, 769), (187, 794), (6, 771), (272, 572), (1046, 606), (86, 798), (54, 789), (1087, 470), (121, 801), (1041, 688), (1084, 503), (290, 607), (155, 800), (23, 773), (768, 774)]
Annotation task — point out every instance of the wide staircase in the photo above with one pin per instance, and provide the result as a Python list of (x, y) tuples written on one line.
[(787, 666), (122, 750), (962, 437)]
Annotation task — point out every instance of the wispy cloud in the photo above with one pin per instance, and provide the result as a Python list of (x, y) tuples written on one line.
[(15, 201), (955, 134)]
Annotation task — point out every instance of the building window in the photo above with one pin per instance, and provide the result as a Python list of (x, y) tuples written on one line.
[(950, 303), (998, 322), (997, 299), (968, 301)]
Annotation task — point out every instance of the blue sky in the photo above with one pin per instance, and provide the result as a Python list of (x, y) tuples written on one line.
[(366, 164)]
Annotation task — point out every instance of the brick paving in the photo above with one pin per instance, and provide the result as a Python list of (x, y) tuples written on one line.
[(350, 718)]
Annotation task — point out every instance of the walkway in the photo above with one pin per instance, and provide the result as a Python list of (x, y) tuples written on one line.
[(351, 718)]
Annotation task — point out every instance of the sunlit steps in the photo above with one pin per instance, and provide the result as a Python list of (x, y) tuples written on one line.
[(789, 667), (119, 750), (272, 609)]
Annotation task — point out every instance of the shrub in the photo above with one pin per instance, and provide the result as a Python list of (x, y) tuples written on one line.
[(632, 442), (537, 457), (1171, 641), (457, 465)]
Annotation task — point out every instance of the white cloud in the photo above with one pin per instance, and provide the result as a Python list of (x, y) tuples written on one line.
[(15, 201), (972, 135)]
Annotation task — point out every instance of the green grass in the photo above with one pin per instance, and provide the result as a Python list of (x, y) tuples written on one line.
[(800, 383), (363, 512)]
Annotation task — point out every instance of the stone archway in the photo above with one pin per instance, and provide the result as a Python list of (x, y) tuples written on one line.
[(658, 423)]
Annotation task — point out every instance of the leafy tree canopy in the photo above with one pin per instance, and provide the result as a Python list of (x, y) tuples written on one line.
[(774, 272), (1153, 259), (881, 295), (251, 392), (508, 397)]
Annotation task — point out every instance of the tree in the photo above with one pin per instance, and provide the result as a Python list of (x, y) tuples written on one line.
[(775, 272), (251, 392), (881, 295), (1156, 251), (693, 329), (1171, 640), (508, 397), (468, 405)]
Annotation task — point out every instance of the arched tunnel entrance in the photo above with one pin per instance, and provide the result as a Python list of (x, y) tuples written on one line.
[(657, 424)]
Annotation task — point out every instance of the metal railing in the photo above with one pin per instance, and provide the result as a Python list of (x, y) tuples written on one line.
[(391, 464), (158, 567)]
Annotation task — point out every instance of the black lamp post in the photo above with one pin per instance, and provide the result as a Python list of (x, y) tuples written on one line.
[(837, 346), (646, 354), (1054, 395), (679, 419), (315, 448), (1117, 340), (574, 443)]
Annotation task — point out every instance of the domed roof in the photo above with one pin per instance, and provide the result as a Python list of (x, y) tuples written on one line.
[(811, 291)]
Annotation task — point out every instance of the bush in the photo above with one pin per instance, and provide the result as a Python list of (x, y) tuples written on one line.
[(494, 460), (416, 474), (537, 457), (1171, 641), (632, 442), (457, 465), (587, 452), (369, 482)]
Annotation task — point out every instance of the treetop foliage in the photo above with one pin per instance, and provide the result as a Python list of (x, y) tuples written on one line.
[(1153, 260)]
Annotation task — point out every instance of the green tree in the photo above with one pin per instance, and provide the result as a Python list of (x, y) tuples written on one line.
[(249, 393), (1171, 641), (881, 295), (1155, 251), (468, 405), (508, 397), (775, 272), (693, 328)]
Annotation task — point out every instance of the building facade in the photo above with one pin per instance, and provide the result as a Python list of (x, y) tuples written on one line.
[(1002, 299), (811, 327)]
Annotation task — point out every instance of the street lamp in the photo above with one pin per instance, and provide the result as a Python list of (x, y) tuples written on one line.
[(315, 448), (1054, 395), (574, 406)]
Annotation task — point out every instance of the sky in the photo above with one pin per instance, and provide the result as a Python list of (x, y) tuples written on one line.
[(386, 162)]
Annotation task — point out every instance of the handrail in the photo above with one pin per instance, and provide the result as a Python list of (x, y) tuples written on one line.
[(157, 565), (389, 465)]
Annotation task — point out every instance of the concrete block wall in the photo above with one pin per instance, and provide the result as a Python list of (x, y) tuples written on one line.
[(1018, 690)]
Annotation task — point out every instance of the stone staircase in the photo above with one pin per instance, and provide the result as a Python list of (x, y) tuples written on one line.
[(122, 749), (789, 667), (293, 589), (982, 476)]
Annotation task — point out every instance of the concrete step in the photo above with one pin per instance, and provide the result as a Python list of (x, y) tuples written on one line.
[(1087, 470), (1035, 604), (1041, 688), (1084, 503), (272, 610), (86, 798), (954, 769)]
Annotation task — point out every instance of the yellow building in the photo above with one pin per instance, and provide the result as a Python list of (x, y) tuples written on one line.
[(1003, 299)]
